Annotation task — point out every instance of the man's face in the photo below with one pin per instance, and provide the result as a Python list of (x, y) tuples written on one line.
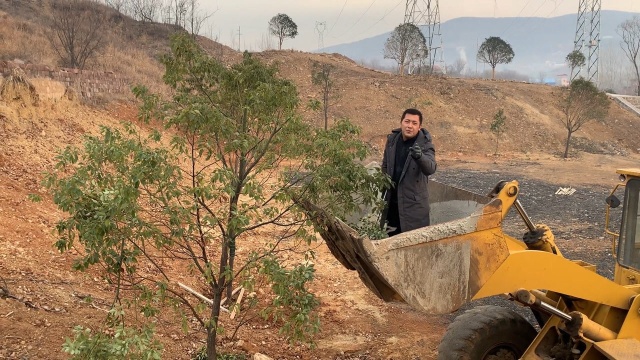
[(410, 126)]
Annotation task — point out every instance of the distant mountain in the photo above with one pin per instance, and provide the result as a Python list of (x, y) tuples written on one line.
[(540, 44)]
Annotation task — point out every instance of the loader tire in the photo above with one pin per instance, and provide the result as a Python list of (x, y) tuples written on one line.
[(486, 333)]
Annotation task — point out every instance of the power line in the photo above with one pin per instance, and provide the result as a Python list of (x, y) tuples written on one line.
[(382, 18), (338, 18), (516, 18), (361, 16)]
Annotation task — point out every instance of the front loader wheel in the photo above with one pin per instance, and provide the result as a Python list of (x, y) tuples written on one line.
[(487, 333)]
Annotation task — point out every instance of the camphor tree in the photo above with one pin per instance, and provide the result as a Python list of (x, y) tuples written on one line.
[(281, 26), (77, 31), (630, 32), (406, 45), (217, 199), (580, 103), (494, 51), (498, 127), (321, 76), (575, 59)]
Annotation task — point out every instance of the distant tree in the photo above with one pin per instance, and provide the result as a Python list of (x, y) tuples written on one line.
[(406, 45), (195, 17), (118, 5), (498, 127), (281, 26), (321, 75), (494, 51), (146, 10), (187, 14), (179, 10), (456, 68), (615, 70), (580, 103), (77, 31), (575, 59), (630, 32)]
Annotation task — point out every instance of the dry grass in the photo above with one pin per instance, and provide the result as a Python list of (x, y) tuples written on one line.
[(133, 64), (16, 87), (21, 39), (132, 50)]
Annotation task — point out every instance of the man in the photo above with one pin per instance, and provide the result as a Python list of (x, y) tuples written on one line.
[(409, 158)]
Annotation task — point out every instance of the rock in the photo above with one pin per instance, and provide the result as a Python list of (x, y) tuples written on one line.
[(258, 356)]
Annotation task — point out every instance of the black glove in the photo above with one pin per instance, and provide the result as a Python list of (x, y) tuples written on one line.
[(415, 151)]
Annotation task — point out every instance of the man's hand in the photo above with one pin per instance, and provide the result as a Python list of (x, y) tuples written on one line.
[(415, 151)]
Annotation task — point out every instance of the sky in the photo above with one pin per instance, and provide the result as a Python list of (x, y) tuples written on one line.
[(243, 24)]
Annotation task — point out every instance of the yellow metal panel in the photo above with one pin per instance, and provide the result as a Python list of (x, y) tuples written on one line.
[(542, 270), (626, 276), (635, 172), (631, 325), (623, 349)]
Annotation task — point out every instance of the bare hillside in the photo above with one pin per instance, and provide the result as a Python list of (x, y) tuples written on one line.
[(458, 111)]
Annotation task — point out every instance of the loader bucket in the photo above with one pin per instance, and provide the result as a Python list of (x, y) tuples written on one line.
[(437, 268)]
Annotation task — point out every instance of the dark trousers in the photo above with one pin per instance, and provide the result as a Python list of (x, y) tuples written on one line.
[(393, 218)]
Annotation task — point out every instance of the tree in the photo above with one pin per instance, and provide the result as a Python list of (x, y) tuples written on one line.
[(457, 67), (406, 45), (145, 10), (282, 27), (494, 51), (498, 126), (117, 5), (186, 13), (195, 18), (239, 158), (77, 31), (581, 102), (575, 59), (321, 76), (630, 32), (179, 10)]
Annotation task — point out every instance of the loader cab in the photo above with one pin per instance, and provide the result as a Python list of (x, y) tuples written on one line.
[(627, 245)]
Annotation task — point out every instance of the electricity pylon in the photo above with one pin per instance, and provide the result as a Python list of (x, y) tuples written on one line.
[(587, 39), (426, 14), (321, 27)]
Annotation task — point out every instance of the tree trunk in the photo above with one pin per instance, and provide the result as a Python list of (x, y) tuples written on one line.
[(493, 73), (212, 327), (232, 256), (326, 109), (637, 78), (566, 147)]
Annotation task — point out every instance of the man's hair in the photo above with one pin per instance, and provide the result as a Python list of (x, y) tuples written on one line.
[(412, 112)]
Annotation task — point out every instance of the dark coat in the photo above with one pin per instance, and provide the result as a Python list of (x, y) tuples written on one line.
[(413, 197)]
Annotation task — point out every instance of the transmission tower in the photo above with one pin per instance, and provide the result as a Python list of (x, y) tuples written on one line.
[(587, 39), (426, 14), (321, 27)]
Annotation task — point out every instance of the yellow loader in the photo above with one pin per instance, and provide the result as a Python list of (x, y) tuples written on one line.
[(465, 255)]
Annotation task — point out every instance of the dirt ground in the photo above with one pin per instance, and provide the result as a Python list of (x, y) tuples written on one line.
[(42, 299)]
